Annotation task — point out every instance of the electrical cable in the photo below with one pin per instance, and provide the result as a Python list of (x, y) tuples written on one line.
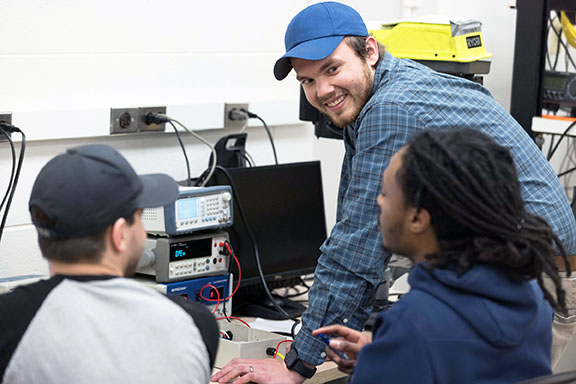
[(304, 283), (214, 158), (557, 46), (269, 137), (293, 329), (245, 121), (243, 155), (13, 150), (159, 118), (298, 293), (11, 128), (201, 178), (254, 245), (566, 172), (249, 157), (551, 145), (566, 49), (239, 274), (235, 318), (183, 151), (548, 59), (566, 160), (551, 153), (224, 335), (278, 345), (253, 115)]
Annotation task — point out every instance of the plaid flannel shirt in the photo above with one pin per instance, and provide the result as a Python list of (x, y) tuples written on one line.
[(408, 98)]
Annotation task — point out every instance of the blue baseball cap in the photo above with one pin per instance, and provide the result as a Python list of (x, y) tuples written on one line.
[(315, 32)]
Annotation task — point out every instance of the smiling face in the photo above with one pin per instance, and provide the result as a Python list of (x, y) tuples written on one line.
[(340, 85)]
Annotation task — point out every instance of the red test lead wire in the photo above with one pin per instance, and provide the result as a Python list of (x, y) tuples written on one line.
[(277, 345), (235, 318), (239, 271)]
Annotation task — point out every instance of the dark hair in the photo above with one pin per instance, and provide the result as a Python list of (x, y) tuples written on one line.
[(469, 185), (85, 249), (358, 44)]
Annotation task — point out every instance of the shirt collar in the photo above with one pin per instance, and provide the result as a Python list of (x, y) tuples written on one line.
[(383, 69)]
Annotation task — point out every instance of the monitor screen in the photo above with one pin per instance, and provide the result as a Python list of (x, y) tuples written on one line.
[(284, 207)]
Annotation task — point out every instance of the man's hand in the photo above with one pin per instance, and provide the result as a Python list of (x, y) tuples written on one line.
[(351, 343), (257, 371)]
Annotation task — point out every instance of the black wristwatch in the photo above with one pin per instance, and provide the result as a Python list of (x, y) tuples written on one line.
[(294, 363)]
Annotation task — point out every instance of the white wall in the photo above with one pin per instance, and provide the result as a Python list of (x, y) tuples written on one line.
[(64, 63)]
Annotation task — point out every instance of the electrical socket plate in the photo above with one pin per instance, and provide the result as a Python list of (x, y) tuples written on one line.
[(228, 123), (124, 120), (5, 117), (150, 127)]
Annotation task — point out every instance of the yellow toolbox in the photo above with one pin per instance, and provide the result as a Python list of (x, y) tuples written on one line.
[(440, 39)]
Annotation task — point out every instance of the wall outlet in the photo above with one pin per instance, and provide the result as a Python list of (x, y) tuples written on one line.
[(124, 120), (229, 121), (5, 117), (143, 127)]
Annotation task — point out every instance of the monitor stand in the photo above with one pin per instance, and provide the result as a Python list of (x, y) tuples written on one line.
[(258, 304)]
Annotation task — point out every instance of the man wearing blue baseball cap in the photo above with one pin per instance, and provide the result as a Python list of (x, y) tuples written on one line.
[(87, 323), (379, 102)]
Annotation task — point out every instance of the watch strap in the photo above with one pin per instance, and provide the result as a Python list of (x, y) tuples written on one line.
[(294, 363)]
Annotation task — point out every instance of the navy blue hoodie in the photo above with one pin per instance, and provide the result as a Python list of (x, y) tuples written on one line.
[(477, 328)]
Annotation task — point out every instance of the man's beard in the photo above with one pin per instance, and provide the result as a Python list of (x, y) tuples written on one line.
[(360, 101), (130, 268)]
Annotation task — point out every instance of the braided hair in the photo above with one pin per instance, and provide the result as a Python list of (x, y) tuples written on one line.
[(469, 185)]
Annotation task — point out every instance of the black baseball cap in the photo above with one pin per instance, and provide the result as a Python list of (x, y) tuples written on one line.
[(89, 187)]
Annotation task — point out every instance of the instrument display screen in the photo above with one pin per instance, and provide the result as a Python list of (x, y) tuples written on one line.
[(187, 208), (556, 83), (192, 249)]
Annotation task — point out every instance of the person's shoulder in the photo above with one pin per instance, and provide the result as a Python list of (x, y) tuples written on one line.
[(399, 84), (410, 81), (200, 314), (17, 310), (205, 322), (414, 307), (25, 296)]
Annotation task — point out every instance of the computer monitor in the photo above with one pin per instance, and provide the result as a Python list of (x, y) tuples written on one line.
[(284, 207)]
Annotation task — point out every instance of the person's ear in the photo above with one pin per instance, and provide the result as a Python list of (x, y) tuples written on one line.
[(118, 235), (372, 49), (420, 220)]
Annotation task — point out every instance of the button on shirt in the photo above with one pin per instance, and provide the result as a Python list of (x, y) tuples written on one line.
[(408, 98)]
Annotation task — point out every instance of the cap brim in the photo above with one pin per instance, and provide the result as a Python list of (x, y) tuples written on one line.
[(316, 49), (158, 190)]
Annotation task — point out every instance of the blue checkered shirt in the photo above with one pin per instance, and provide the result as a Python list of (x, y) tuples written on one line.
[(408, 97)]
